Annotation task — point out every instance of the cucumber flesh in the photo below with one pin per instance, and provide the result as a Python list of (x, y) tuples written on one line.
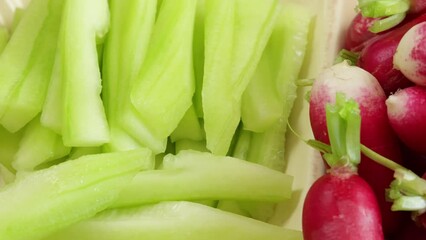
[(84, 119), (174, 220), (27, 99), (236, 33), (38, 145), (42, 202), (193, 175), (162, 95)]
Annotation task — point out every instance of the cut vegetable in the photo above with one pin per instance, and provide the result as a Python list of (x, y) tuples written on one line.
[(4, 37), (272, 89), (192, 175), (164, 88), (410, 56), (27, 99), (236, 33), (124, 53), (84, 120), (38, 145), (25, 75), (42, 202), (174, 220)]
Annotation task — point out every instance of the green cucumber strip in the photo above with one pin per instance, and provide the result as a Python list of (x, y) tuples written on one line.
[(289, 39), (17, 16), (42, 202), (198, 55), (189, 127), (51, 115), (242, 146), (9, 145), (236, 33), (218, 45), (78, 152), (6, 176), (272, 90), (186, 144), (125, 49), (162, 94), (27, 100), (120, 140), (84, 120), (4, 37), (174, 220), (21, 52), (192, 175), (261, 106), (38, 145), (232, 207), (131, 122), (270, 146)]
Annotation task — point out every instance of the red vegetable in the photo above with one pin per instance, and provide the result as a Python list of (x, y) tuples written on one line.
[(407, 113), (358, 33), (376, 132), (417, 6), (377, 57), (340, 204), (410, 56)]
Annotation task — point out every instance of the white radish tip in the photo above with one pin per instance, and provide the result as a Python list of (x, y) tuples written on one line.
[(410, 56)]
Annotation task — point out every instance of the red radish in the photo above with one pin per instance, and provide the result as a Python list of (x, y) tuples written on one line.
[(417, 6), (340, 204), (407, 112), (376, 131), (358, 32), (410, 56), (377, 57)]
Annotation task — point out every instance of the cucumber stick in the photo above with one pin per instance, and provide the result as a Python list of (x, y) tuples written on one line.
[(174, 220), (4, 37), (289, 42), (198, 55), (24, 87), (193, 175), (125, 50), (84, 121), (9, 145), (236, 33), (39, 144), (42, 202), (164, 88)]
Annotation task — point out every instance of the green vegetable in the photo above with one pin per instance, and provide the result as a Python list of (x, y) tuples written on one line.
[(236, 33), (9, 145), (173, 220), (44, 201), (162, 95), (38, 145), (192, 175), (125, 49), (84, 23), (4, 37), (26, 63)]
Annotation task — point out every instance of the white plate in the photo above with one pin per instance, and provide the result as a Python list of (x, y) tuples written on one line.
[(331, 17)]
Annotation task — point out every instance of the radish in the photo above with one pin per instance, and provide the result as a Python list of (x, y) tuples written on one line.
[(407, 191), (340, 204), (358, 32), (410, 56), (376, 131), (407, 112), (377, 57)]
